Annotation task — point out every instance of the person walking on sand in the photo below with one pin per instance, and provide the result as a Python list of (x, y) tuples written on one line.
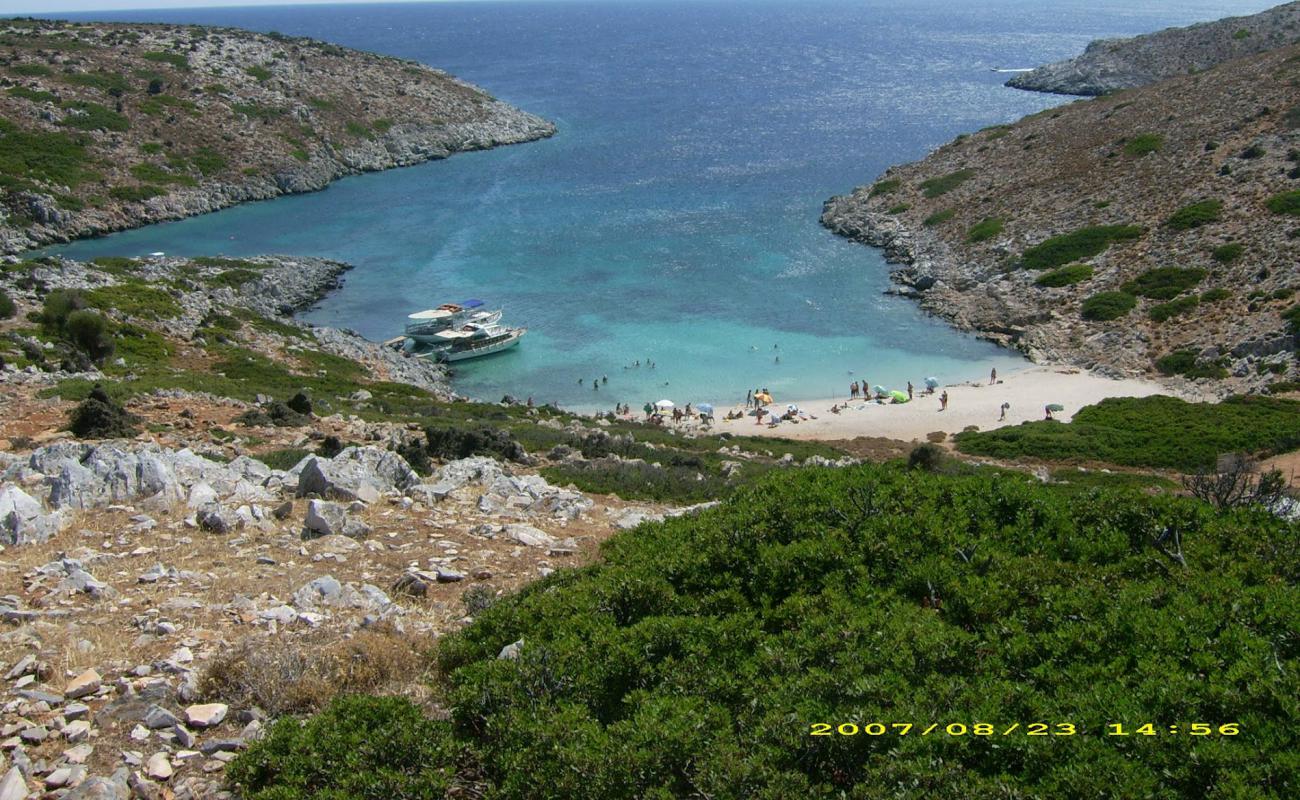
[(749, 398), (909, 390), (1003, 416), (943, 401), (993, 376)]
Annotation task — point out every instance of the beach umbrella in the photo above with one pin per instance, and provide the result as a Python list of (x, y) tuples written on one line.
[(705, 408), (932, 383), (1055, 407), (877, 389), (899, 397), (664, 405)]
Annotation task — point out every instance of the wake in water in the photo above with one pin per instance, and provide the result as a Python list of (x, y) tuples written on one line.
[(1012, 69)]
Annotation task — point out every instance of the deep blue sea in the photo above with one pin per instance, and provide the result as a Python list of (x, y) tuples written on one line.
[(674, 218)]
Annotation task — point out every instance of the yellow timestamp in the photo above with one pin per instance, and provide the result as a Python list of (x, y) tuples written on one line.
[(956, 729)]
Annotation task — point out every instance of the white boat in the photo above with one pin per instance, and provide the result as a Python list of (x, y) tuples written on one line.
[(423, 326), (474, 340)]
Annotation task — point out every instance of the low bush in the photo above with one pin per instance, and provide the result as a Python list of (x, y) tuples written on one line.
[(1285, 203), (1164, 283), (1107, 306), (1065, 276), (1215, 295), (1156, 432), (637, 480), (359, 748), (1174, 308), (1077, 246), (1186, 363), (449, 443), (1227, 253), (7, 306), (1143, 144), (939, 217), (886, 186), (984, 230), (101, 417), (935, 187), (1195, 215)]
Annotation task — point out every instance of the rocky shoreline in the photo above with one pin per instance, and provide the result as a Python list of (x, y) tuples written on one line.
[(1007, 232), (125, 125), (1112, 65)]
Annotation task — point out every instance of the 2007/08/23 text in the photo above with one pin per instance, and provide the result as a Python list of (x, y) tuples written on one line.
[(1009, 729)]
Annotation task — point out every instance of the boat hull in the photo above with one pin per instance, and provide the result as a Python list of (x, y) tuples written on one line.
[(477, 352)]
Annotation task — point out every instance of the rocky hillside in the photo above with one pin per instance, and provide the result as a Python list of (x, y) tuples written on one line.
[(1151, 231), (1109, 65), (111, 126)]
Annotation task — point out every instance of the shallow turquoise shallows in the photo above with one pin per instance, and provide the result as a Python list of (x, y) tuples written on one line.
[(674, 217)]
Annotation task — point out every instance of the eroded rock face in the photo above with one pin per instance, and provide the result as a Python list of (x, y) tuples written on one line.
[(23, 520), (357, 473)]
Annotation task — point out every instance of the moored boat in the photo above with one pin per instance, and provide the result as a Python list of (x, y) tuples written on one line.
[(472, 341), (423, 326)]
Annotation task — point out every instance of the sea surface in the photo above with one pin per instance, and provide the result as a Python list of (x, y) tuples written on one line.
[(674, 218)]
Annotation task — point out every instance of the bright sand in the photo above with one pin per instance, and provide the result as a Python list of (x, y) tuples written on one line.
[(1028, 391)]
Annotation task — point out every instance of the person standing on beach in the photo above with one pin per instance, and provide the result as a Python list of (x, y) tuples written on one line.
[(943, 401), (749, 398), (993, 376), (1003, 416), (909, 390)]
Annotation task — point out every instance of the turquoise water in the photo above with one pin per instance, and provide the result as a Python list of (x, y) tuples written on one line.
[(674, 217)]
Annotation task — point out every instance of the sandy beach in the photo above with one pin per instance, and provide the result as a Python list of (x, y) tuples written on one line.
[(1028, 391)]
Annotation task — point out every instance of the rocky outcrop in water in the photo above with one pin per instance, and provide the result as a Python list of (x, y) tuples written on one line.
[(1110, 65)]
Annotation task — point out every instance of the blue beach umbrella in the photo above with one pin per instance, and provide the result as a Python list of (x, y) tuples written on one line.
[(705, 408), (932, 383), (878, 389)]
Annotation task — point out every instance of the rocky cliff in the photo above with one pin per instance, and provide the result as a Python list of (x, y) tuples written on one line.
[(1153, 231), (1109, 65), (111, 126)]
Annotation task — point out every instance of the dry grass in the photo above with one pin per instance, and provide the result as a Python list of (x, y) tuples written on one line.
[(297, 675)]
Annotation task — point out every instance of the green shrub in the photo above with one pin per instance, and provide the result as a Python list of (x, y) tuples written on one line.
[(106, 82), (1077, 246), (1065, 276), (452, 443), (1196, 215), (90, 333), (1285, 203), (632, 480), (1174, 308), (1164, 283), (1241, 33), (31, 70), (57, 305), (233, 278), (934, 187), (7, 306), (178, 60), (1215, 295), (283, 459), (358, 748), (258, 72), (1292, 317), (134, 298), (885, 186), (1107, 306), (1227, 253), (1184, 362), (898, 209), (1158, 432), (939, 217), (101, 417), (208, 161), (696, 657), (41, 156), (94, 117), (152, 173), (984, 230), (1144, 143)]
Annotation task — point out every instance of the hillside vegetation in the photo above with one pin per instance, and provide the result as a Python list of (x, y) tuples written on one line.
[(699, 657), (1151, 232), (110, 126)]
